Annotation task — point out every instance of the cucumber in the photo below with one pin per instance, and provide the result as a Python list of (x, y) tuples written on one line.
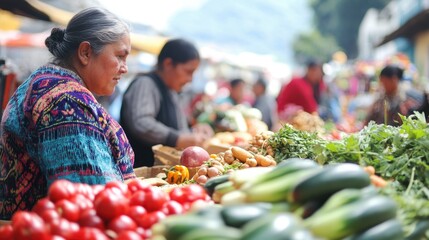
[(351, 218), (329, 181), (211, 212), (238, 215), (272, 226), (221, 190), (308, 209), (277, 189), (213, 182), (346, 196), (388, 230), (174, 227), (283, 168), (224, 233)]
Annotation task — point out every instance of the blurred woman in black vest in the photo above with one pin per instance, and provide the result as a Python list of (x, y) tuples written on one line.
[(151, 113)]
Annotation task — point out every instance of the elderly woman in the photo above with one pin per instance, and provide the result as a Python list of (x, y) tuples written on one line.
[(54, 128)]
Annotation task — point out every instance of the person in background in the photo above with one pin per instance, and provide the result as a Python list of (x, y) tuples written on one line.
[(303, 92), (151, 113), (392, 100), (236, 93), (53, 127), (265, 103)]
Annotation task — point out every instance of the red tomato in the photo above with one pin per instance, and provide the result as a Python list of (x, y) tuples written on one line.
[(194, 192), (119, 185), (27, 225), (68, 210), (6, 232), (82, 202), (138, 198), (89, 218), (152, 218), (110, 204), (43, 205), (57, 238), (137, 185), (173, 207), (155, 199), (137, 213), (129, 235), (97, 189), (85, 190), (64, 228), (178, 195), (49, 215), (146, 234), (122, 223), (89, 233), (61, 189)]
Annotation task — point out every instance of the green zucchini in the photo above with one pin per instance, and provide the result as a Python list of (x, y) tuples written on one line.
[(174, 227), (213, 182), (238, 215), (388, 230), (211, 212), (272, 226), (346, 196), (277, 189), (221, 190), (286, 167), (351, 218), (224, 233), (329, 181)]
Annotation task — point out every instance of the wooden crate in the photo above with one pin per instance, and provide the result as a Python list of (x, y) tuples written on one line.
[(150, 172), (165, 155), (213, 148)]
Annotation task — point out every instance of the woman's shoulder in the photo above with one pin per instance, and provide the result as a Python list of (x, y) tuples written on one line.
[(51, 88)]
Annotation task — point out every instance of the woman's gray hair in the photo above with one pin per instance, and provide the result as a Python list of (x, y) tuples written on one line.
[(98, 26)]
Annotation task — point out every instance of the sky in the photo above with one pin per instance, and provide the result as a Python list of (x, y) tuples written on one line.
[(156, 14)]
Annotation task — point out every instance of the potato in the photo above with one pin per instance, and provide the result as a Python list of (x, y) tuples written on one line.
[(202, 171), (251, 162), (213, 172), (202, 179), (262, 160), (240, 154)]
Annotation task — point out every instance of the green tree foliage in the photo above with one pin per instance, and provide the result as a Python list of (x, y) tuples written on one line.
[(313, 45), (341, 19)]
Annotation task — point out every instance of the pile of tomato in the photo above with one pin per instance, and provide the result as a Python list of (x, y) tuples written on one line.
[(114, 211)]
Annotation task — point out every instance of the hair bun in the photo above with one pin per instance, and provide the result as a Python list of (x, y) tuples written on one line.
[(57, 34), (55, 40)]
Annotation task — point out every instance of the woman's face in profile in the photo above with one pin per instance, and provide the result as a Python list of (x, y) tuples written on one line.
[(183, 73), (106, 68)]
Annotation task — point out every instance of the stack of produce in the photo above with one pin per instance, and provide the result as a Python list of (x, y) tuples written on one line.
[(305, 121), (230, 160), (298, 199), (114, 211)]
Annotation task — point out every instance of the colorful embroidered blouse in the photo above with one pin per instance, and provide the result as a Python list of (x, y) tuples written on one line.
[(54, 128)]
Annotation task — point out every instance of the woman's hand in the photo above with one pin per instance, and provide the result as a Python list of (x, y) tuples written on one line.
[(203, 129), (190, 139)]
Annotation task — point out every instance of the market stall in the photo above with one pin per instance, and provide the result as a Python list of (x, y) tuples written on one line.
[(290, 184)]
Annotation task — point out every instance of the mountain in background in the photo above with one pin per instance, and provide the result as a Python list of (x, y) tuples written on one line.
[(265, 27)]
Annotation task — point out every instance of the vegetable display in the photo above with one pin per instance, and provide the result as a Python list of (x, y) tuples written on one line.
[(114, 211), (298, 200)]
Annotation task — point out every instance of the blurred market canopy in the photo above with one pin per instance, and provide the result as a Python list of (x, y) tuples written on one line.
[(36, 9)]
